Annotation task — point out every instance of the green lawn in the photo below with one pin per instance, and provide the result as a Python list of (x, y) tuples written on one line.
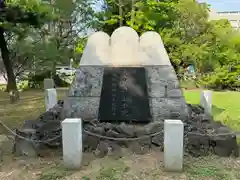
[(226, 106), (30, 106)]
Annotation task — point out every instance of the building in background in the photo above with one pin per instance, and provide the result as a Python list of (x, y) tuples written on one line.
[(232, 16)]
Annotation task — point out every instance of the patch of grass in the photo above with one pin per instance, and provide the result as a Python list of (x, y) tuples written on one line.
[(225, 106), (207, 172), (113, 172), (30, 106), (210, 168), (54, 173)]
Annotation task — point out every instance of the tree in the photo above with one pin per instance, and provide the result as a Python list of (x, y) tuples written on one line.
[(189, 37), (60, 39), (14, 16)]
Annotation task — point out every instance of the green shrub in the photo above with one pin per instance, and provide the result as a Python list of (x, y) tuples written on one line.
[(3, 87), (191, 84), (63, 80), (22, 85), (35, 81), (221, 79)]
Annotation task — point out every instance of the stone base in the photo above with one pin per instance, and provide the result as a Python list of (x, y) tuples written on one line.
[(166, 100), (201, 135), (124, 131)]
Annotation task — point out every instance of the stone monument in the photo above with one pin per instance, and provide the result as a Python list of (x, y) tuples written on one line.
[(125, 78)]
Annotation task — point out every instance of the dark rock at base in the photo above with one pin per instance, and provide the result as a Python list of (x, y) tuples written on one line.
[(225, 145), (137, 148), (140, 146), (115, 150), (29, 124), (197, 109), (205, 118), (109, 148), (198, 144), (108, 126), (38, 132), (158, 140), (140, 131), (90, 143), (98, 130), (154, 127), (54, 113), (47, 116), (102, 149), (222, 129), (128, 130), (202, 135), (114, 134), (24, 147)]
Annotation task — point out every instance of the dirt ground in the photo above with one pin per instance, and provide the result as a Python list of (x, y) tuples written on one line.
[(129, 167)]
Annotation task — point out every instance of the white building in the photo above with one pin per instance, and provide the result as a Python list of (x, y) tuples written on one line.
[(232, 16)]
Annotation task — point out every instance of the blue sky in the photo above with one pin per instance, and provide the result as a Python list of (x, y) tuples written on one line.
[(219, 5), (224, 5)]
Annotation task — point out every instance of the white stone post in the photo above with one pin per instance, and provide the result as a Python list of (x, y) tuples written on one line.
[(50, 98), (173, 145), (48, 83), (72, 143), (206, 101)]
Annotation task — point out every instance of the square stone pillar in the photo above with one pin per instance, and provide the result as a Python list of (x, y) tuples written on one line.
[(173, 145), (50, 98), (72, 143), (206, 101)]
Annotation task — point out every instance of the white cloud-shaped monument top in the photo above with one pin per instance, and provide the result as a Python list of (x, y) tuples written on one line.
[(124, 48)]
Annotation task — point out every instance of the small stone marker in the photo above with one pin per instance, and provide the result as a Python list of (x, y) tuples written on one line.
[(206, 101), (48, 83), (72, 143), (173, 145), (50, 98)]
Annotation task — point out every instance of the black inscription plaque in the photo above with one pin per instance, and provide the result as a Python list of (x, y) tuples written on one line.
[(124, 96)]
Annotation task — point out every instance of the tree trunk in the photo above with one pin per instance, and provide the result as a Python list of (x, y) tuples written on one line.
[(120, 12), (12, 85)]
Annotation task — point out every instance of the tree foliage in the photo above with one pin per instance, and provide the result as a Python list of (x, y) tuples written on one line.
[(41, 36), (188, 34)]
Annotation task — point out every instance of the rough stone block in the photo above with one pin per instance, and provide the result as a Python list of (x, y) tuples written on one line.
[(25, 147), (88, 82), (166, 74), (166, 107), (84, 107), (72, 143), (206, 101), (173, 145), (50, 98), (48, 84)]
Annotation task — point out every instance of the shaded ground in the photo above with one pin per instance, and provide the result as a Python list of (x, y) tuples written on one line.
[(131, 167)]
